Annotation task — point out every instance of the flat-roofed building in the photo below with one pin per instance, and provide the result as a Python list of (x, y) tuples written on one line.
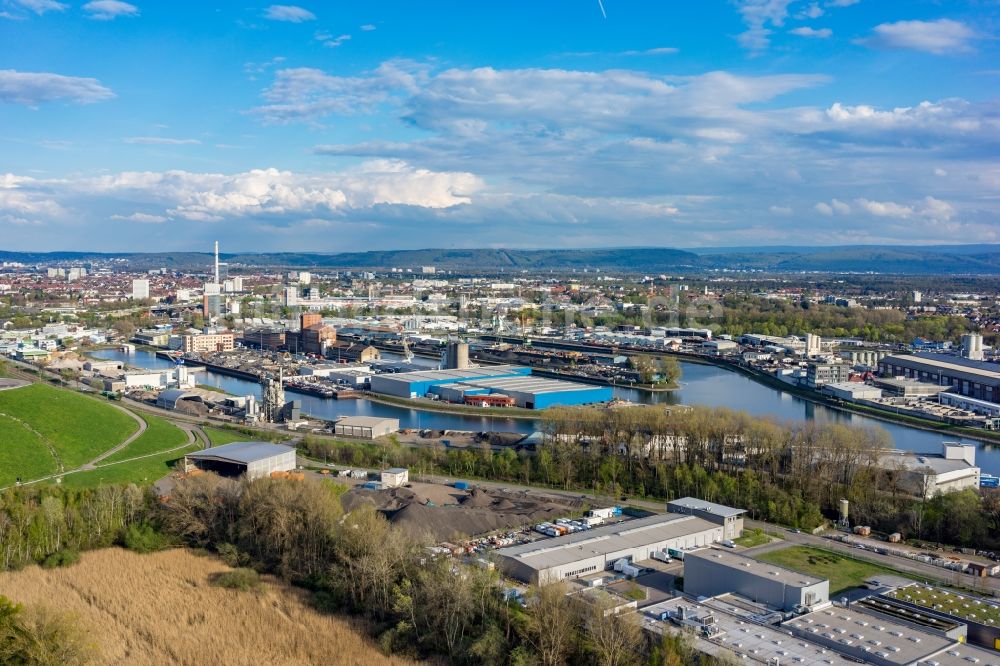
[(715, 571), (207, 342), (868, 637), (365, 427), (730, 518), (975, 379), (852, 391), (583, 553), (929, 474), (253, 459)]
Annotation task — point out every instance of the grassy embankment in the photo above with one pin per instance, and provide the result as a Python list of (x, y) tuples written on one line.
[(41, 426), (844, 572), (163, 608), (753, 538)]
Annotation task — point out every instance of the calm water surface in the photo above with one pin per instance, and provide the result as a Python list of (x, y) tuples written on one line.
[(700, 385)]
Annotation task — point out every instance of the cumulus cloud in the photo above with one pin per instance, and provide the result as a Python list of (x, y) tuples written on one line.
[(368, 27), (289, 13), (34, 88), (213, 197), (928, 207), (940, 37), (806, 31), (107, 10), (161, 141)]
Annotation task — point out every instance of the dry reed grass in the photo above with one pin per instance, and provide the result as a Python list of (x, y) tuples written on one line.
[(161, 609)]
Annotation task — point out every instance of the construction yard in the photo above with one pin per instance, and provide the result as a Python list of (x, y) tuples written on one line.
[(447, 513)]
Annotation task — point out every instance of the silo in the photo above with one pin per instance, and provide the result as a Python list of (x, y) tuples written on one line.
[(843, 510)]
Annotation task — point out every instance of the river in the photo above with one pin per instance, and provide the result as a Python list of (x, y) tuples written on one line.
[(700, 385)]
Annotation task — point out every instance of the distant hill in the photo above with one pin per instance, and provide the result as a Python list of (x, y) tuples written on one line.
[(923, 260)]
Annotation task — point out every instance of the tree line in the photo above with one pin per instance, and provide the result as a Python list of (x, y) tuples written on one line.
[(789, 473), (416, 604)]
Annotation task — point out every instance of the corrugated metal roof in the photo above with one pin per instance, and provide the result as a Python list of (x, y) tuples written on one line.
[(703, 505), (242, 452), (599, 541)]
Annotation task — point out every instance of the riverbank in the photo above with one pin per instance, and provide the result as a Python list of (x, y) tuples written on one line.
[(978, 434)]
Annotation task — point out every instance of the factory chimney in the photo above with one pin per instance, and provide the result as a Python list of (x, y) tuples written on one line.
[(216, 262)]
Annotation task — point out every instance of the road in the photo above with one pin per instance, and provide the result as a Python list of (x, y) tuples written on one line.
[(989, 585), (138, 433)]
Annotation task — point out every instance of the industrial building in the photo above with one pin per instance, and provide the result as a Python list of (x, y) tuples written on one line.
[(517, 382), (714, 571), (820, 374), (173, 399), (365, 427), (731, 519), (253, 459), (929, 474), (597, 550), (852, 391), (975, 379)]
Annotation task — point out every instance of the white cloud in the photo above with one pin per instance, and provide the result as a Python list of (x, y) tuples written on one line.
[(106, 10), (885, 208), (160, 141), (834, 206), (40, 6), (840, 206), (289, 13), (940, 37), (841, 3), (328, 40), (780, 210), (659, 50), (938, 171), (806, 31), (34, 88), (367, 27), (144, 218), (813, 11), (279, 197), (759, 15)]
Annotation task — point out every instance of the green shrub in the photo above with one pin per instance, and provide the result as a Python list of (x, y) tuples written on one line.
[(144, 538), (233, 556), (242, 579), (61, 558)]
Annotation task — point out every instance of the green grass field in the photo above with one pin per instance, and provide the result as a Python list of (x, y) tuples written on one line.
[(141, 472), (963, 606), (22, 453), (79, 427), (160, 435), (218, 436), (752, 538), (843, 572)]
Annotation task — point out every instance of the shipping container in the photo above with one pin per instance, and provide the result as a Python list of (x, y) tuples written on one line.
[(462, 485)]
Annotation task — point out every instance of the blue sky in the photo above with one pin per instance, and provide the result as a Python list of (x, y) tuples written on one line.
[(352, 126)]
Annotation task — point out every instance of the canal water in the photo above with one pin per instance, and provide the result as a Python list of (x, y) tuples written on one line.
[(700, 385)]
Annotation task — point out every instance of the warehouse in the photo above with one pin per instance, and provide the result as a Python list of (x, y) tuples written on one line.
[(974, 379), (254, 459), (711, 572), (516, 382), (597, 550), (526, 391), (731, 519), (366, 427), (852, 391)]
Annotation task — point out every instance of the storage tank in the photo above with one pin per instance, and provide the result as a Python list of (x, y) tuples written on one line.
[(457, 356), (843, 510)]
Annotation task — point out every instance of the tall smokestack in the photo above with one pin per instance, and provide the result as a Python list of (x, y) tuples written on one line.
[(216, 262)]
